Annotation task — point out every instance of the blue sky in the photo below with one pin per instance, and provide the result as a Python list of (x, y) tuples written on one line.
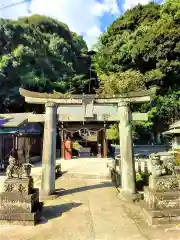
[(86, 17)]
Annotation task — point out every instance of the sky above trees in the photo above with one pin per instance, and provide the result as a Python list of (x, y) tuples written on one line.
[(86, 17)]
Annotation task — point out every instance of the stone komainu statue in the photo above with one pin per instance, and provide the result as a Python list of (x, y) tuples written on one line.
[(170, 164), (13, 170), (161, 168)]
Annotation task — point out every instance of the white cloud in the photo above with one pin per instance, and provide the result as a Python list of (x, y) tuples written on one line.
[(110, 6), (82, 16), (128, 4), (92, 35)]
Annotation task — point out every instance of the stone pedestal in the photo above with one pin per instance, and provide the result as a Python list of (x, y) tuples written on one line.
[(161, 203), (49, 150), (126, 151), (19, 203)]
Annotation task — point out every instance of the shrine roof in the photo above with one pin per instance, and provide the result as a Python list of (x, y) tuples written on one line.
[(15, 120), (172, 131), (175, 125), (12, 120)]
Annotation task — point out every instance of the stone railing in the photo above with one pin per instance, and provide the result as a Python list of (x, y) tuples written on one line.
[(142, 165), (145, 149), (142, 162)]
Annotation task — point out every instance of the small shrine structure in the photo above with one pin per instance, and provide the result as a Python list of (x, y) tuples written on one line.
[(86, 111)]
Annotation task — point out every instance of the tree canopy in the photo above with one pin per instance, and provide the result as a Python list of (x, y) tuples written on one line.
[(41, 54), (138, 50), (142, 49)]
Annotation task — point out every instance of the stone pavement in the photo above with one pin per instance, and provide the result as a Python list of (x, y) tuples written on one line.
[(78, 168), (87, 167), (88, 210)]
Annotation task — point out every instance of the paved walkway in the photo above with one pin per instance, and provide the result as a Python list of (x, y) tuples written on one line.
[(84, 210), (88, 210), (88, 168), (80, 166)]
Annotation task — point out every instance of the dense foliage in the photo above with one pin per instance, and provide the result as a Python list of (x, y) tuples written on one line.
[(139, 50), (142, 49), (41, 54)]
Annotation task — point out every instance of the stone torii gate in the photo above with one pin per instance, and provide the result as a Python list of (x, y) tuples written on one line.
[(95, 109)]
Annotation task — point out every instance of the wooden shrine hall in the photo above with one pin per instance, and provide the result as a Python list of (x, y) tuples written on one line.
[(82, 113)]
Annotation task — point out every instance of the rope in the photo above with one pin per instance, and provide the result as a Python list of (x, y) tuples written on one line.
[(86, 129)]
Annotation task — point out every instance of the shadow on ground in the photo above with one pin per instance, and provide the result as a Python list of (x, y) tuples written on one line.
[(60, 174), (62, 191), (51, 212)]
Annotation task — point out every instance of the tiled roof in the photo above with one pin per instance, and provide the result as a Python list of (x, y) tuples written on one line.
[(12, 120), (172, 131), (175, 125)]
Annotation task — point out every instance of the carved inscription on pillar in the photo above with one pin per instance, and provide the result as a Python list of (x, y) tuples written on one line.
[(88, 104)]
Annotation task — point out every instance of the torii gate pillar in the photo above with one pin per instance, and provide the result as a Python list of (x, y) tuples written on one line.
[(49, 150), (128, 182)]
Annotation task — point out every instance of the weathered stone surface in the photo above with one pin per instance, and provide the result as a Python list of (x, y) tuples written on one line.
[(17, 222), (18, 216), (24, 185), (14, 202), (158, 213), (164, 183), (158, 220), (49, 150), (15, 170), (161, 200), (163, 167), (19, 204), (126, 149), (129, 197)]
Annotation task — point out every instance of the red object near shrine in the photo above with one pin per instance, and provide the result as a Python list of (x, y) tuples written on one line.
[(67, 149), (99, 155), (99, 151)]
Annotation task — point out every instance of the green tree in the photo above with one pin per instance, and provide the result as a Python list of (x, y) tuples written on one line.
[(139, 50), (41, 54)]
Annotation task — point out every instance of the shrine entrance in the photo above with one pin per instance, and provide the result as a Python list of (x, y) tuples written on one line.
[(82, 140), (85, 109)]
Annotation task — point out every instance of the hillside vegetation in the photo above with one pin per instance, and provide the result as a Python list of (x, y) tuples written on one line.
[(139, 50), (41, 54)]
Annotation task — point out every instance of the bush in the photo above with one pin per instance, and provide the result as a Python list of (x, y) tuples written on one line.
[(142, 179)]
